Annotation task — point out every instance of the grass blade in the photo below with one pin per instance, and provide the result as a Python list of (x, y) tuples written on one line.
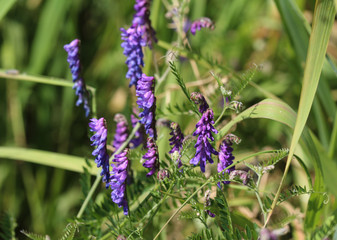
[(51, 159), (322, 25), (6, 5)]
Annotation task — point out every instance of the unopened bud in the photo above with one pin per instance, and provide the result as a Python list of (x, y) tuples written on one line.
[(163, 174)]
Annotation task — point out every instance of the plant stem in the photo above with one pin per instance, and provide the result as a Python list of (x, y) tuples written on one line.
[(89, 196), (259, 198), (176, 212), (221, 115)]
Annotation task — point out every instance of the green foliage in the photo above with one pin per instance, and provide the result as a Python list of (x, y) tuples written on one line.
[(69, 232), (7, 227), (328, 228), (34, 236), (294, 191)]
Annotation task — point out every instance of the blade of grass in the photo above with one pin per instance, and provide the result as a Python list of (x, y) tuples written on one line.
[(63, 161), (6, 5), (322, 24)]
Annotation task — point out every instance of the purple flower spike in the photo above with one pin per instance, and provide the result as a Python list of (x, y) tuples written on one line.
[(177, 141), (151, 157), (204, 149), (118, 178), (177, 137), (73, 50), (199, 99), (203, 22), (132, 44), (225, 159), (99, 140), (142, 20), (138, 138), (121, 131), (147, 101)]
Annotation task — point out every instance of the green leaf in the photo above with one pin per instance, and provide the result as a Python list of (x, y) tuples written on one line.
[(69, 232), (6, 5), (34, 236), (322, 24), (58, 160), (7, 227)]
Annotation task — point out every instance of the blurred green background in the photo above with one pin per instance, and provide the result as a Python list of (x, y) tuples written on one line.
[(32, 35)]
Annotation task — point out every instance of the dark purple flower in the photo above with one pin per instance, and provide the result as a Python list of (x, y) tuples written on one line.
[(99, 140), (121, 131), (118, 178), (199, 99), (132, 44), (203, 22), (176, 140), (147, 101), (73, 50), (138, 138), (151, 157), (142, 20), (225, 159), (204, 129)]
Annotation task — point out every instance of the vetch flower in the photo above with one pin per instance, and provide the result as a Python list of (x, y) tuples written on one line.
[(142, 20), (121, 131), (118, 178), (140, 34), (99, 140), (73, 50), (200, 100), (204, 149), (176, 140), (147, 101), (225, 155), (138, 138), (151, 157), (132, 45), (203, 22)]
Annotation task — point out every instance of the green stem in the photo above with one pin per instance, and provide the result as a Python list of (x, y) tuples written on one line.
[(98, 178), (333, 139), (259, 198), (221, 115), (177, 211), (89, 196)]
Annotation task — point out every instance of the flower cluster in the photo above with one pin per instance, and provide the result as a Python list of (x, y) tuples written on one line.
[(151, 157), (147, 101), (73, 50), (132, 45), (225, 155), (200, 100), (99, 140), (139, 35), (225, 159), (203, 22), (204, 149), (118, 178), (121, 131), (176, 140), (142, 20), (138, 138)]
